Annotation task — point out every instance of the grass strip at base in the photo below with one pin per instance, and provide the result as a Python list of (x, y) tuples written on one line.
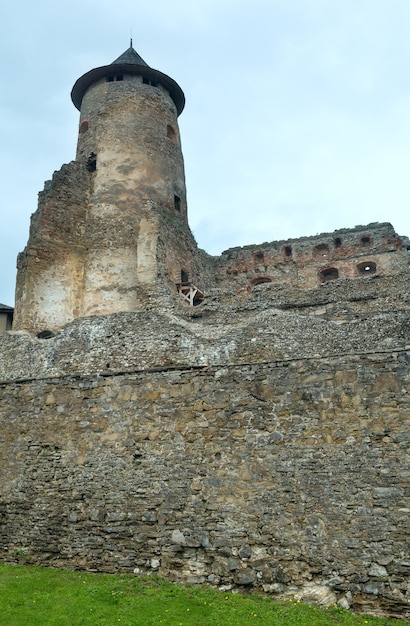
[(32, 596)]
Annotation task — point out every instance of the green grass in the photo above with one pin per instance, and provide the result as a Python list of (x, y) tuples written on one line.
[(48, 597)]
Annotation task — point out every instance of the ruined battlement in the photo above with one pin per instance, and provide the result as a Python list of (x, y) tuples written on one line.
[(310, 261)]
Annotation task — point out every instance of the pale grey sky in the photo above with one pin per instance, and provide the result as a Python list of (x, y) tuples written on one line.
[(297, 118)]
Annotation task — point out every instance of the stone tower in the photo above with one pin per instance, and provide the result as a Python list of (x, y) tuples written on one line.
[(110, 233)]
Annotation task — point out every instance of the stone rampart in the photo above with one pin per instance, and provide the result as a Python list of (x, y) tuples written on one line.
[(289, 476)]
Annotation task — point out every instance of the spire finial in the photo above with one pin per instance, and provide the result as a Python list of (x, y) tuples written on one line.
[(131, 38)]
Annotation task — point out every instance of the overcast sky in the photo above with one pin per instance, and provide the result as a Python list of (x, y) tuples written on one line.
[(297, 118)]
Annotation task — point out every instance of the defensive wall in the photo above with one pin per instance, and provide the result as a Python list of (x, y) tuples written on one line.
[(256, 440)]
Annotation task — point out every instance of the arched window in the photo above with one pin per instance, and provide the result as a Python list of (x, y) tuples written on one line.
[(330, 273), (321, 250), (258, 280), (83, 126)]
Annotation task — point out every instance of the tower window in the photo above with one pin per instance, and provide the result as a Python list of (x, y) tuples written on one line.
[(184, 276), (259, 257), (330, 273), (91, 164), (177, 203), (337, 242), (287, 251), (171, 134), (119, 77), (147, 81), (110, 79), (83, 126)]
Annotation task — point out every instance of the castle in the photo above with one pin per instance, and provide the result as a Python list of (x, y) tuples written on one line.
[(238, 420)]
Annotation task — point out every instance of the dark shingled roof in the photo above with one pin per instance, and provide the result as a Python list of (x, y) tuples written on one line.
[(129, 62), (4, 308), (130, 57)]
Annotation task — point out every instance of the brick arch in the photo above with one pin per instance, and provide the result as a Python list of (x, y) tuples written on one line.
[(366, 267), (258, 280), (328, 273)]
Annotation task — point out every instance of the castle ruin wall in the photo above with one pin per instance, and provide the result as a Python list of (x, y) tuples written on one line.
[(287, 476)]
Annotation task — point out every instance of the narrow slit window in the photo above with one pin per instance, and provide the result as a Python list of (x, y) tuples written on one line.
[(171, 134), (177, 203), (147, 81)]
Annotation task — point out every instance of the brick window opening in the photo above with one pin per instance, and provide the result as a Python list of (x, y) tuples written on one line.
[(321, 250), (177, 204), (184, 277), (365, 242), (259, 280), (330, 273), (367, 267), (337, 242), (287, 251), (147, 81), (83, 126)]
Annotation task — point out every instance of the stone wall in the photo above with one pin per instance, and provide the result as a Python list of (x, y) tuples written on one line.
[(309, 261), (51, 268), (287, 476)]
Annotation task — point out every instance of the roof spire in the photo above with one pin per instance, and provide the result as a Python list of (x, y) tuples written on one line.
[(130, 37)]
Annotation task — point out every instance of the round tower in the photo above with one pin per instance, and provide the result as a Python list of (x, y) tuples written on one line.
[(129, 140), (110, 233), (128, 130)]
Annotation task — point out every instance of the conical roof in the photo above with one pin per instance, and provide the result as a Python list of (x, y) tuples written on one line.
[(129, 62), (130, 56)]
